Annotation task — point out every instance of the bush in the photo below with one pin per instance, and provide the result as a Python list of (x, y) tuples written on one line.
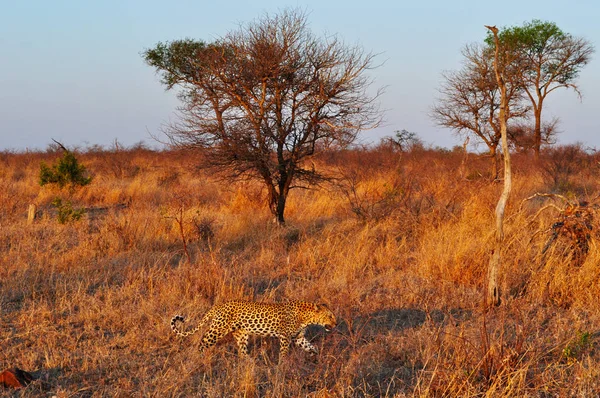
[(66, 212), (562, 164), (67, 171)]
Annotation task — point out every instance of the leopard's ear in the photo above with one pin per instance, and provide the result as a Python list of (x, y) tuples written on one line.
[(321, 306)]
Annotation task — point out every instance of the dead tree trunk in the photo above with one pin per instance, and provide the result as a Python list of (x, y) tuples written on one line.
[(493, 293), (31, 213)]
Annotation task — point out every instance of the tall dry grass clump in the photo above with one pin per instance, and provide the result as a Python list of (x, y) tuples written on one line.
[(397, 247)]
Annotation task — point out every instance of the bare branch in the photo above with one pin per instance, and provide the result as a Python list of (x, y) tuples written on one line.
[(61, 146)]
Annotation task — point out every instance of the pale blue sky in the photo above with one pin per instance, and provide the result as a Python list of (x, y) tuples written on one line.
[(72, 71)]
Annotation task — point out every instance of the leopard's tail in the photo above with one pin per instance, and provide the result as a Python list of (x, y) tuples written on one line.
[(179, 318)]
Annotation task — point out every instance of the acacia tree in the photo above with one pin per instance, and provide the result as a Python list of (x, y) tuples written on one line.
[(470, 100), (549, 59), (263, 99)]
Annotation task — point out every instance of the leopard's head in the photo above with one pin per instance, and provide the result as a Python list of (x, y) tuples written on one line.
[(324, 317)]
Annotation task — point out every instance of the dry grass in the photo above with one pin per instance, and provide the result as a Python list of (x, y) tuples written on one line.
[(398, 250)]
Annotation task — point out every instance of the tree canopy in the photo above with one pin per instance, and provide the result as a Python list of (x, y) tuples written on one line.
[(544, 58), (535, 59)]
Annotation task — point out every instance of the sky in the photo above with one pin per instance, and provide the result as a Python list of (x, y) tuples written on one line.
[(72, 70)]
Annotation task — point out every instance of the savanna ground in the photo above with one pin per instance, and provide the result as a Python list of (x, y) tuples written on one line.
[(398, 249)]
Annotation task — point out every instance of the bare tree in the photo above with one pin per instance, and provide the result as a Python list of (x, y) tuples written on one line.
[(470, 101), (264, 99), (548, 59), (404, 140)]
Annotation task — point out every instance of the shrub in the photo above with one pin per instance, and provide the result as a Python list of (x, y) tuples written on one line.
[(66, 212), (67, 171), (563, 163)]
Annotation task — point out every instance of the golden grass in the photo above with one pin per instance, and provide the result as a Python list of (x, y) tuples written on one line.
[(398, 251)]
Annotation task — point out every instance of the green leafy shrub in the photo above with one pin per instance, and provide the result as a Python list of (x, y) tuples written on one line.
[(66, 172), (66, 212)]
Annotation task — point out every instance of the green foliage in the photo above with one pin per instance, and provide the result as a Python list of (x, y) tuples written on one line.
[(66, 212), (66, 172), (180, 61), (535, 36), (544, 51), (575, 349)]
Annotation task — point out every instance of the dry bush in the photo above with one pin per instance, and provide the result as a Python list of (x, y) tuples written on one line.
[(569, 168), (86, 306)]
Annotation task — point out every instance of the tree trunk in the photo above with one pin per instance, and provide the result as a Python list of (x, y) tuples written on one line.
[(493, 293), (31, 213), (537, 132), (277, 201), (495, 166), (281, 208), (273, 199)]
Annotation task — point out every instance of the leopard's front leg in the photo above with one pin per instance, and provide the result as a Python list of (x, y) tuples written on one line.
[(302, 342)]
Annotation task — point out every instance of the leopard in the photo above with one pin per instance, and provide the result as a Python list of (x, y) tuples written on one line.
[(287, 321)]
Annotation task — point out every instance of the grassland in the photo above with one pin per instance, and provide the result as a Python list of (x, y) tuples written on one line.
[(398, 249)]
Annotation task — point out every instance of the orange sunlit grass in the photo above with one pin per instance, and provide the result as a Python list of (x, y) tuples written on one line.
[(398, 248)]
